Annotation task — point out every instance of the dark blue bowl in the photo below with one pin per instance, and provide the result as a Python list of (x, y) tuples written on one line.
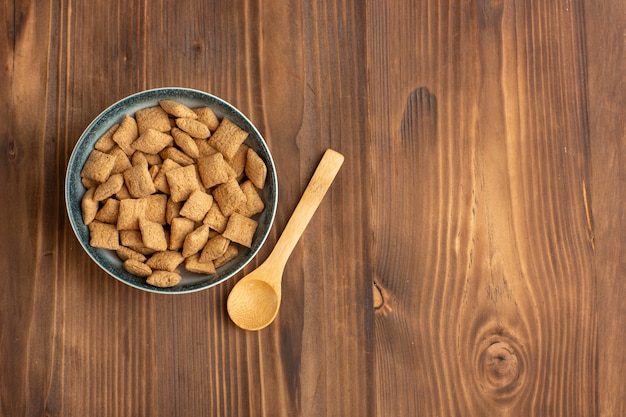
[(74, 189)]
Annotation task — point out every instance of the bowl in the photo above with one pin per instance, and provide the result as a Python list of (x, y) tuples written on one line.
[(74, 189)]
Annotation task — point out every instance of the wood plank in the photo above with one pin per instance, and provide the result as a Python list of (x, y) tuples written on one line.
[(485, 269), (313, 89), (28, 211), (86, 344), (606, 69)]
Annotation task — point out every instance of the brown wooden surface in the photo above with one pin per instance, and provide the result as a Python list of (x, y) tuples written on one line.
[(470, 259)]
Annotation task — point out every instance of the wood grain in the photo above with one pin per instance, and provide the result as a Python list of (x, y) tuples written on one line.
[(80, 343), (606, 63), (486, 270), (468, 260)]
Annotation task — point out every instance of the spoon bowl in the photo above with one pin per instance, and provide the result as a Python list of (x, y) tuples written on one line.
[(253, 304), (254, 301)]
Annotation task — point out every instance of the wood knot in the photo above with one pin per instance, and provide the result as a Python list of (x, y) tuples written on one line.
[(500, 364), (198, 46), (381, 299), (377, 297), (12, 151), (419, 122)]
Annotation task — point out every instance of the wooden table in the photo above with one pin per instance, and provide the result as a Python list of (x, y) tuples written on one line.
[(470, 259)]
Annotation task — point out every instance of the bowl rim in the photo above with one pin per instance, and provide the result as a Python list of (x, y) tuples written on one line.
[(113, 114)]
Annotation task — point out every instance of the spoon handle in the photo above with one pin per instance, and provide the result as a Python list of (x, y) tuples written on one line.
[(313, 194)]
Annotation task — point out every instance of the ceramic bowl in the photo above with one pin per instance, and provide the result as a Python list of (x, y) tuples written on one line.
[(74, 190)]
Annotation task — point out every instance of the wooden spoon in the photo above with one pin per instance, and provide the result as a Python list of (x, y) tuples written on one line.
[(254, 301)]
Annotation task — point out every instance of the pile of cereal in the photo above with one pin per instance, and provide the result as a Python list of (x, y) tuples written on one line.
[(172, 186)]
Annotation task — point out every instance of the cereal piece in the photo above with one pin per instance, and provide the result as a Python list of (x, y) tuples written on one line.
[(214, 170), (139, 158), (123, 193), (156, 208), (105, 143), (215, 219), (109, 211), (195, 240), (144, 251), (163, 279), (98, 166), (204, 148), (160, 181), (256, 171), (206, 116), (122, 162), (165, 260), (126, 134), (176, 155), (139, 181), (126, 253), (153, 159), (109, 188), (229, 255), (136, 267), (227, 138), (172, 210), (131, 210), (193, 127), (154, 171), (215, 247), (152, 141), (89, 206), (229, 197), (182, 181), (131, 239), (166, 230), (152, 118), (197, 206), (153, 235), (103, 235), (240, 229), (180, 228), (238, 163), (193, 264), (89, 183), (134, 242), (186, 143), (199, 181), (177, 109), (254, 203)]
